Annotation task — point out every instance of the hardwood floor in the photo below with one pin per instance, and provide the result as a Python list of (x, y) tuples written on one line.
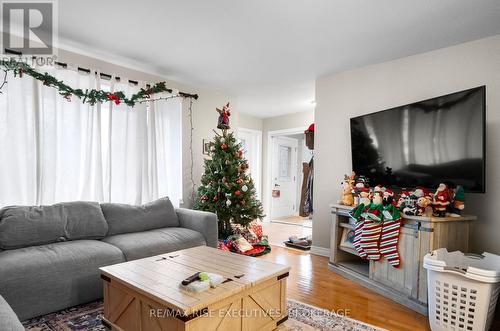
[(311, 282), (279, 233)]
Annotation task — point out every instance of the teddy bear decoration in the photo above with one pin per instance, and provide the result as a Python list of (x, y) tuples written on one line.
[(347, 196)]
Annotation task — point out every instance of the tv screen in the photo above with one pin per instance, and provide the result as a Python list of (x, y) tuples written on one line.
[(424, 143)]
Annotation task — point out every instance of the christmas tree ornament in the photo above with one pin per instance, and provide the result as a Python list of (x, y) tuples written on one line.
[(228, 202), (239, 181), (237, 193), (228, 162), (223, 147), (244, 188), (238, 154), (243, 166)]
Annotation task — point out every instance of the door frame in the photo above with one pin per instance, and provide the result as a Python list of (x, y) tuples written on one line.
[(269, 171), (257, 178)]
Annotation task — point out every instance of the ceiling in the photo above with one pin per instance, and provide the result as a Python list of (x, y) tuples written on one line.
[(268, 53)]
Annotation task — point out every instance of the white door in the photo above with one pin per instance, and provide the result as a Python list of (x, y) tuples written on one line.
[(251, 141), (284, 177)]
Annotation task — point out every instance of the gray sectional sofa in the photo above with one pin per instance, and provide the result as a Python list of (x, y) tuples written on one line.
[(50, 255)]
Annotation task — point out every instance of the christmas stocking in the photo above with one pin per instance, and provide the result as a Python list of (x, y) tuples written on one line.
[(358, 231), (357, 211), (370, 239), (390, 236)]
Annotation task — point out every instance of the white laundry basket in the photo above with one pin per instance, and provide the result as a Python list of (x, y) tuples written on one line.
[(463, 290)]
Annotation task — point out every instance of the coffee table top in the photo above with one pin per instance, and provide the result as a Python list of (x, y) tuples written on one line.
[(159, 277)]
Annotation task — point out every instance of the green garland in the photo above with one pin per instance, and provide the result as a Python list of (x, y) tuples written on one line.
[(91, 97)]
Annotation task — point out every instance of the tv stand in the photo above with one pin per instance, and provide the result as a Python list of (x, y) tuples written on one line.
[(407, 284)]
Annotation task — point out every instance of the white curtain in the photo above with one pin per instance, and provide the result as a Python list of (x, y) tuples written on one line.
[(52, 150)]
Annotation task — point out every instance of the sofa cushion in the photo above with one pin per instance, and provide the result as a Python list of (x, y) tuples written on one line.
[(42, 279), (23, 226), (154, 242), (84, 220), (8, 319), (123, 218)]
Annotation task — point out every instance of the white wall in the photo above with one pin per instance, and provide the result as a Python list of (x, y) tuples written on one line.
[(250, 122), (204, 114), (400, 82)]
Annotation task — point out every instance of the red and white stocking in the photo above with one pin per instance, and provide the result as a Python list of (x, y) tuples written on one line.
[(389, 242), (370, 239), (358, 232)]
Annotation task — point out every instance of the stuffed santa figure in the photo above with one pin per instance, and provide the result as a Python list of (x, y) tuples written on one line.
[(441, 201)]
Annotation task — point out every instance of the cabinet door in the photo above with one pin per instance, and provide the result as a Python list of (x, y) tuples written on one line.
[(405, 278)]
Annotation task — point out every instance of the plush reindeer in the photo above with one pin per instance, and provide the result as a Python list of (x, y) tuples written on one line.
[(347, 197)]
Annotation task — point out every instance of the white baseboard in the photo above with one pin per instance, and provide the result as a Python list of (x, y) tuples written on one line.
[(322, 251)]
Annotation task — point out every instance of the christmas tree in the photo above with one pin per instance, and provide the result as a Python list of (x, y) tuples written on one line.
[(226, 187)]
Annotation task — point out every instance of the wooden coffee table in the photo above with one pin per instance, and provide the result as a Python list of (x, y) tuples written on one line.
[(146, 294)]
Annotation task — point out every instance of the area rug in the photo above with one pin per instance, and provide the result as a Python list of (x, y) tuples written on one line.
[(302, 317)]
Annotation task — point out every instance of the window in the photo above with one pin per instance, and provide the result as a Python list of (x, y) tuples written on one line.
[(54, 150)]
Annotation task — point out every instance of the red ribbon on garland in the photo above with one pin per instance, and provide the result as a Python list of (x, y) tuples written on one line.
[(112, 97)]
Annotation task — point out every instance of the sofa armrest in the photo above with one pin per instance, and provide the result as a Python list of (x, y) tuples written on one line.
[(201, 221), (8, 319)]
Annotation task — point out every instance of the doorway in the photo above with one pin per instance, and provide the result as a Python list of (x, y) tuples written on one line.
[(284, 177), (284, 181)]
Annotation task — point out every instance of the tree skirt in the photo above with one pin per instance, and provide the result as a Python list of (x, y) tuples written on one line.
[(248, 241), (302, 317), (260, 248)]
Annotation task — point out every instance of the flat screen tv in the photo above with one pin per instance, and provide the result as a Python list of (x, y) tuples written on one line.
[(424, 143)]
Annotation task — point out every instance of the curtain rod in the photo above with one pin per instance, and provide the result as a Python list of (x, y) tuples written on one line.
[(102, 75)]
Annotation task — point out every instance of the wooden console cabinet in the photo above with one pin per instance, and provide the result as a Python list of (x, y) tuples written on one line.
[(407, 284)]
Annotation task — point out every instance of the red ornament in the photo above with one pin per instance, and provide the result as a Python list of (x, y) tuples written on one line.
[(238, 154), (237, 193), (216, 198), (239, 181), (223, 146), (112, 97)]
